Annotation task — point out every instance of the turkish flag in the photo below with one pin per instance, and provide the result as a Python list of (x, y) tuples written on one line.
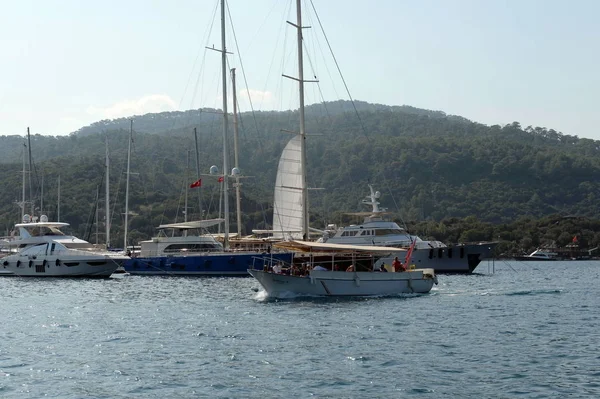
[(197, 183)]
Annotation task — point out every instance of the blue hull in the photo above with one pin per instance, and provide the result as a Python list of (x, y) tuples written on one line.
[(225, 264)]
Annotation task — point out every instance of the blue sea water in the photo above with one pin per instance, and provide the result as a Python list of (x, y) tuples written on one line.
[(514, 330)]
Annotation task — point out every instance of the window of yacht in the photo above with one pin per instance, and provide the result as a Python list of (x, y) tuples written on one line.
[(387, 232), (44, 231), (206, 247), (78, 245), (349, 233)]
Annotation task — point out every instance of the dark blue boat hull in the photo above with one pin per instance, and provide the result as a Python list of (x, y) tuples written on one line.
[(231, 264)]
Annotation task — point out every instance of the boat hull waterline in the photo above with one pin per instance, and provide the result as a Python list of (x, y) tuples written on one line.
[(341, 284), (19, 266)]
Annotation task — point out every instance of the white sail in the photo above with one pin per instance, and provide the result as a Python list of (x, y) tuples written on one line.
[(287, 205)]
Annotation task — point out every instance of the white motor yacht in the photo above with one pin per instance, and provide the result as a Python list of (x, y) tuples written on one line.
[(376, 231), (42, 250)]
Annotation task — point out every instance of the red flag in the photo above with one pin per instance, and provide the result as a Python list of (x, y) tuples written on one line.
[(197, 183), (221, 179)]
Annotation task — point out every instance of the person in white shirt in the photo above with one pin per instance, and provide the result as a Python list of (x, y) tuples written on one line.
[(319, 267), (277, 269)]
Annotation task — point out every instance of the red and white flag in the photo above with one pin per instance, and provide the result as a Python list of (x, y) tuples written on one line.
[(197, 183)]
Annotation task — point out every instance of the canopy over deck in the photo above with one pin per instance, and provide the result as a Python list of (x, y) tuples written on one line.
[(309, 246), (196, 224)]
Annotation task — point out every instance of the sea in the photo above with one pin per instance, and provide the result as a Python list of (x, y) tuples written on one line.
[(511, 330)]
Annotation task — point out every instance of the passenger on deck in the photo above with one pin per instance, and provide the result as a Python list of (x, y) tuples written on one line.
[(382, 268), (351, 268), (398, 266), (277, 268), (319, 267)]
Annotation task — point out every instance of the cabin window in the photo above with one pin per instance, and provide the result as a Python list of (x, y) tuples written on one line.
[(205, 247)]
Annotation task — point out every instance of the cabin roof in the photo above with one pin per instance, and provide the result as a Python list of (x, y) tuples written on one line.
[(309, 246)]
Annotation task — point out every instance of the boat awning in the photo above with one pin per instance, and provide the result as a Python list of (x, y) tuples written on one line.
[(42, 224), (196, 224), (309, 246)]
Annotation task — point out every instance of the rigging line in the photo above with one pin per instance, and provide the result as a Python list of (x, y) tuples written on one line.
[(201, 68), (317, 43), (124, 167), (340, 72), (318, 83), (239, 54)]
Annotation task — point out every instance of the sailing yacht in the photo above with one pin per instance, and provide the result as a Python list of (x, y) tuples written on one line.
[(42, 250), (179, 253), (314, 276)]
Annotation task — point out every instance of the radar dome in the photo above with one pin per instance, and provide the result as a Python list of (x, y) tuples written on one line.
[(26, 218), (44, 219), (235, 171), (214, 170), (377, 194)]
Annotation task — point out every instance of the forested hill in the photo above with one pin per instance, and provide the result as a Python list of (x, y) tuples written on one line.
[(428, 166)]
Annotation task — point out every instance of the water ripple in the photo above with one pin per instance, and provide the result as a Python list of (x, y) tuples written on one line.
[(523, 331)]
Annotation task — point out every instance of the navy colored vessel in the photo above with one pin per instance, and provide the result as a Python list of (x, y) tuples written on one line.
[(174, 252)]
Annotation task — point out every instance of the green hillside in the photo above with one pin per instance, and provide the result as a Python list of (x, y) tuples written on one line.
[(429, 166)]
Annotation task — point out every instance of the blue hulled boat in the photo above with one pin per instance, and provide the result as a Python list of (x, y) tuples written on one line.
[(175, 252)]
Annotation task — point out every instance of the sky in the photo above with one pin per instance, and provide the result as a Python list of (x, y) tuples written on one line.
[(67, 63)]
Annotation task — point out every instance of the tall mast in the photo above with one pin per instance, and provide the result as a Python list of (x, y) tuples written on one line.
[(24, 173), (107, 199), (42, 196), (30, 186), (238, 201), (225, 149), (300, 80), (58, 202), (187, 169), (96, 216), (198, 174), (127, 185)]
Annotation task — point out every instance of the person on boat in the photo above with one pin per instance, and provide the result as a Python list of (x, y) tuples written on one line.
[(398, 266), (351, 268), (382, 268), (319, 267), (277, 269)]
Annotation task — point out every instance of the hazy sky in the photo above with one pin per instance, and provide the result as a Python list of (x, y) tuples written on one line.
[(67, 63)]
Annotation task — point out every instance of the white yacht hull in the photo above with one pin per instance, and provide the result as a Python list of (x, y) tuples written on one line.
[(95, 266), (337, 283)]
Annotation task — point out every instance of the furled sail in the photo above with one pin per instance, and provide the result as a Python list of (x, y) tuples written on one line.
[(287, 206)]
